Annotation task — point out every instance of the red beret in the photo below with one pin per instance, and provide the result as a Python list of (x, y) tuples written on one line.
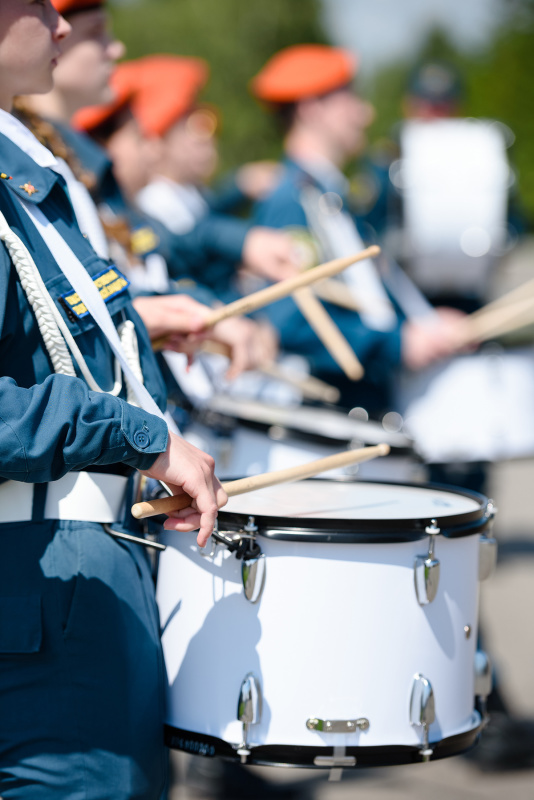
[(160, 90), (70, 6), (168, 89), (124, 82), (304, 70)]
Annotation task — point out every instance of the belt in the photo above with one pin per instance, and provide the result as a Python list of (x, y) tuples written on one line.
[(77, 496)]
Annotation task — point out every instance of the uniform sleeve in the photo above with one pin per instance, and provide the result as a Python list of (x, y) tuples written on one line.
[(60, 425)]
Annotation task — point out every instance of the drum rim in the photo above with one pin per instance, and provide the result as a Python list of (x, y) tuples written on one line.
[(380, 531), (298, 435), (303, 755)]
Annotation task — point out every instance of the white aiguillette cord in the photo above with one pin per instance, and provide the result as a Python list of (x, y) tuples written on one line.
[(83, 285)]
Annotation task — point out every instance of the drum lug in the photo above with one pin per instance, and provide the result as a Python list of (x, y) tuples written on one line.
[(253, 575), (483, 681), (487, 560), (249, 709), (427, 569), (422, 711)]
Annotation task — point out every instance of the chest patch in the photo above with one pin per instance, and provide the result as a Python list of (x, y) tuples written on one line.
[(110, 283), (143, 241)]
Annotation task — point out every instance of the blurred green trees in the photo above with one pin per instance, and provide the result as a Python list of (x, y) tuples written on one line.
[(236, 37), (498, 85)]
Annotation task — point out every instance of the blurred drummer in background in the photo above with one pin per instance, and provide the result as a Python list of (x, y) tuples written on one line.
[(82, 79), (163, 145), (309, 87)]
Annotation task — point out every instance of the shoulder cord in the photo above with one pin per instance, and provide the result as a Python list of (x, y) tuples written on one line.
[(52, 327)]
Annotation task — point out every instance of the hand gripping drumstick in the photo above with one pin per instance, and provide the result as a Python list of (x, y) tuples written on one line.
[(167, 504), (281, 289)]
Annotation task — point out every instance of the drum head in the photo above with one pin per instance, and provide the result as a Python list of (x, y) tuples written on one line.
[(347, 511)]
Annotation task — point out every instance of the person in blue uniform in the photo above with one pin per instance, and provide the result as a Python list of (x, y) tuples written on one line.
[(81, 671), (309, 88), (82, 79)]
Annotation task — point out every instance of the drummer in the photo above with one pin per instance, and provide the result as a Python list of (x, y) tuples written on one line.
[(309, 88), (162, 142), (82, 79), (81, 675)]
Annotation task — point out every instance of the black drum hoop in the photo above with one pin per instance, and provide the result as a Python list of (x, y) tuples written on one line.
[(366, 531), (303, 756)]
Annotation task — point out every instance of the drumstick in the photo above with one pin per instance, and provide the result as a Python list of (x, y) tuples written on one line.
[(284, 288), (311, 387), (166, 505), (277, 291), (519, 293), (308, 385), (496, 321), (328, 332), (337, 293)]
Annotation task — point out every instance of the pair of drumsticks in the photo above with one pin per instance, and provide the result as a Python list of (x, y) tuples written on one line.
[(311, 308), (319, 319)]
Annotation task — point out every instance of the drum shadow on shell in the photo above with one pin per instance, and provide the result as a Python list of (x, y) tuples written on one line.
[(206, 689)]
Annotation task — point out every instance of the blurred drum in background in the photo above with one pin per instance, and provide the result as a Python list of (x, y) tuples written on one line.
[(328, 624), (473, 408), (454, 178), (266, 437), (258, 424)]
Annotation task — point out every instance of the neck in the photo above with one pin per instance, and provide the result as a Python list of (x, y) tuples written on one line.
[(305, 144), (53, 105)]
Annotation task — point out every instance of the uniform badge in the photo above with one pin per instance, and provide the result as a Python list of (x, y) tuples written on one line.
[(29, 188), (110, 283), (143, 240)]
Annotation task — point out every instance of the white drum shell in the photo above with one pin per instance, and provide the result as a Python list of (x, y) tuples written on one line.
[(337, 634)]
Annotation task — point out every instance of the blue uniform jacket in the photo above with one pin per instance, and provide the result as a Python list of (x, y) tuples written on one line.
[(50, 423), (208, 254), (378, 351)]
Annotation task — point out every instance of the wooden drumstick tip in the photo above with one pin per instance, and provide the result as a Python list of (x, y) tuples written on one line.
[(383, 449)]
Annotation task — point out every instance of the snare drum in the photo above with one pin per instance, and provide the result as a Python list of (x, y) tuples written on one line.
[(328, 624), (265, 437)]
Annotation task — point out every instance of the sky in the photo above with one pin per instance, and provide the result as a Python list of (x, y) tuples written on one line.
[(386, 30)]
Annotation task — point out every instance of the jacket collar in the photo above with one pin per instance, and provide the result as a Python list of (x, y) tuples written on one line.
[(22, 174)]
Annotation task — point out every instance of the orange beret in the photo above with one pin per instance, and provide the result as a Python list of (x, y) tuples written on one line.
[(303, 70), (124, 82), (168, 89), (70, 6), (159, 89)]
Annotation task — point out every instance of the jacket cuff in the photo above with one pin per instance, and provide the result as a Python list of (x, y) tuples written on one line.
[(144, 436)]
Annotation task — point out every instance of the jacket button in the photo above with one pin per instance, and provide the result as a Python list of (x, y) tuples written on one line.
[(141, 439)]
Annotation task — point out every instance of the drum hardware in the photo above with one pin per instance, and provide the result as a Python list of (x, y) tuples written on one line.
[(249, 709), (135, 539), (253, 569), (488, 547), (337, 759), (337, 725), (483, 682), (423, 711), (426, 570), (253, 573)]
